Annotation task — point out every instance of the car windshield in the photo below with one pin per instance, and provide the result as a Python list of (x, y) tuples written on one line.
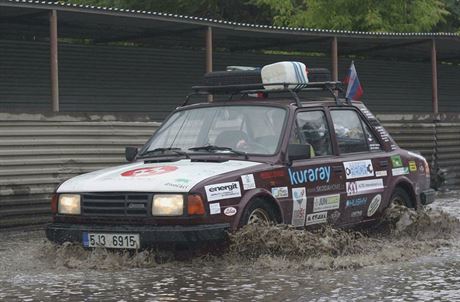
[(220, 129)]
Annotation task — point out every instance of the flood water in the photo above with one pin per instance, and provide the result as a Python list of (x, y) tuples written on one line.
[(414, 257)]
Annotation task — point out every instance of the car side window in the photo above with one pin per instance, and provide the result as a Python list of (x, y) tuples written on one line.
[(311, 127), (349, 131)]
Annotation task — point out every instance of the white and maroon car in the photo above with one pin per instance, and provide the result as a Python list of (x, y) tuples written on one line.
[(214, 167)]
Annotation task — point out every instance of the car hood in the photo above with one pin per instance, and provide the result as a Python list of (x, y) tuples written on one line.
[(178, 176)]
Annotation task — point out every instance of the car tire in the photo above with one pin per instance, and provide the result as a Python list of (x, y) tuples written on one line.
[(401, 197), (258, 211)]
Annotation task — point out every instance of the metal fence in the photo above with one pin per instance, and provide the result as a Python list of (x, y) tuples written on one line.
[(37, 152)]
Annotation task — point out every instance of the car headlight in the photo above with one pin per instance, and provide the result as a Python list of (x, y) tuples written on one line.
[(69, 204), (168, 205)]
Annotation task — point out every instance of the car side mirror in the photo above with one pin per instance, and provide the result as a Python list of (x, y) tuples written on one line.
[(130, 153), (298, 151)]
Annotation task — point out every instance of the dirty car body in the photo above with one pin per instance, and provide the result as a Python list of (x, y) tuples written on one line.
[(213, 167)]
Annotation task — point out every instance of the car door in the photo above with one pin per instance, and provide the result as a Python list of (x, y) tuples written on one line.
[(317, 182), (364, 162)]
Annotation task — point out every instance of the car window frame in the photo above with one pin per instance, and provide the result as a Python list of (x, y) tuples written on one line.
[(362, 119), (328, 124)]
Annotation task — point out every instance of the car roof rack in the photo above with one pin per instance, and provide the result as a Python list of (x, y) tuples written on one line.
[(245, 89)]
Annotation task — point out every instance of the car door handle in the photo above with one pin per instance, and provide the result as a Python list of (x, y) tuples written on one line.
[(383, 163), (337, 169)]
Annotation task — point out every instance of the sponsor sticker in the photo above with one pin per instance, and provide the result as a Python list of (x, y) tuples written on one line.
[(363, 186), (230, 211), (316, 218), (267, 175), (382, 173), (280, 192), (396, 161), (374, 147), (358, 169), (214, 208), (223, 191), (150, 171), (325, 203), (356, 202), (310, 175), (374, 205), (299, 207), (412, 166), (356, 214), (400, 171), (248, 181), (325, 188), (175, 185)]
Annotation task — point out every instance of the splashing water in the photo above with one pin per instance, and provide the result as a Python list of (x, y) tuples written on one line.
[(400, 235)]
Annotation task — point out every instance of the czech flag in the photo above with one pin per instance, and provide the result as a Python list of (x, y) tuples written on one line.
[(354, 88)]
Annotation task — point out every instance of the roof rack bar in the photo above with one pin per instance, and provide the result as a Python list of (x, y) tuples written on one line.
[(257, 86), (296, 97)]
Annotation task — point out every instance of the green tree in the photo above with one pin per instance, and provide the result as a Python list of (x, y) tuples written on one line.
[(359, 15)]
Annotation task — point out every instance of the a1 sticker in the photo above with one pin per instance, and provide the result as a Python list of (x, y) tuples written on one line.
[(150, 171)]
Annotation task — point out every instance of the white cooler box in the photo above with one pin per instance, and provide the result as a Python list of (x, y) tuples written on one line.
[(284, 72)]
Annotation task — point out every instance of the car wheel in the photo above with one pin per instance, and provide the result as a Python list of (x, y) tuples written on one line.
[(259, 211), (400, 197)]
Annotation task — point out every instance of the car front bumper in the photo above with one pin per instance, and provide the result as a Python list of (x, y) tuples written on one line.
[(150, 236)]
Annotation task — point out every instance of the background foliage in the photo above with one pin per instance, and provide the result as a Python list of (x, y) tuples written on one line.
[(359, 15)]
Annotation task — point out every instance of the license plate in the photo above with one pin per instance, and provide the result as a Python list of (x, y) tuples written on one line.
[(111, 240)]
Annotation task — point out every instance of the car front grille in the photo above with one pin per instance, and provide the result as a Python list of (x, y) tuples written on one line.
[(116, 204)]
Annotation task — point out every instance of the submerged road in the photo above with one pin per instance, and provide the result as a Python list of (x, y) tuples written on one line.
[(409, 269)]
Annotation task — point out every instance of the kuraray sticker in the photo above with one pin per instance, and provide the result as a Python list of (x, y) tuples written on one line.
[(223, 191), (363, 186), (382, 173), (374, 205), (299, 206), (356, 202), (358, 169), (316, 218), (230, 211), (396, 161), (412, 166), (150, 171), (400, 171), (248, 181), (325, 203), (310, 175), (214, 208), (280, 192)]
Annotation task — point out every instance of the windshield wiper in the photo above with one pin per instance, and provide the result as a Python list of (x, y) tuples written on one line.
[(177, 151), (211, 148)]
